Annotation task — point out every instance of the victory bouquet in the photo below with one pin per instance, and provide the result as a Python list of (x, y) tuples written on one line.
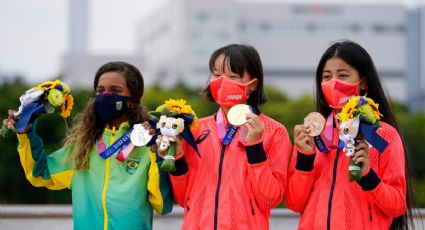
[(43, 98), (359, 119), (174, 119)]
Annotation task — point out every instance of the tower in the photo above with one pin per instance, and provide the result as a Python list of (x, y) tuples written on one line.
[(78, 26)]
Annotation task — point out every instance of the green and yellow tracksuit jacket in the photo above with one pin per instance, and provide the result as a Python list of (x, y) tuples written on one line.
[(109, 194)]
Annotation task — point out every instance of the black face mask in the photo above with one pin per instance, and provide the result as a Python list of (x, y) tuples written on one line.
[(111, 106)]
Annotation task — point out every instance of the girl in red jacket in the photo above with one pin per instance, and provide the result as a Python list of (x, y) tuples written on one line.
[(240, 173), (318, 182)]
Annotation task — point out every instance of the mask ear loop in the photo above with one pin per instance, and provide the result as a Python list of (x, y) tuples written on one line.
[(250, 82)]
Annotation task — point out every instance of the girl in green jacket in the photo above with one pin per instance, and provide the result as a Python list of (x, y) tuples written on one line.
[(106, 193)]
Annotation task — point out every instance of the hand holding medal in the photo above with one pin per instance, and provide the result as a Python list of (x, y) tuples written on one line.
[(237, 114), (242, 115), (316, 123), (307, 136), (140, 135)]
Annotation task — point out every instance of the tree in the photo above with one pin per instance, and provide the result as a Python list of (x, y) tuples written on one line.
[(14, 188)]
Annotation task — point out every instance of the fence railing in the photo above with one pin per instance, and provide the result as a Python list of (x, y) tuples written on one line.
[(33, 217)]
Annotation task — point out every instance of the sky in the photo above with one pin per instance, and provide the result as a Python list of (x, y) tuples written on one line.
[(34, 35)]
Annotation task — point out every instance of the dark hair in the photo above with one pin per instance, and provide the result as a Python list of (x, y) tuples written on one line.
[(88, 127), (241, 58), (357, 57)]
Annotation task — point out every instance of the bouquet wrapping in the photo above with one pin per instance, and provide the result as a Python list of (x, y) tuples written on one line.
[(359, 119), (44, 98)]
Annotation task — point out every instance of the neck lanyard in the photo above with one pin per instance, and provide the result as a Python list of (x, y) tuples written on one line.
[(226, 135), (325, 140), (118, 145)]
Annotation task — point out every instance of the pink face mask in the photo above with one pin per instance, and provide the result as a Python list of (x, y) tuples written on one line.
[(337, 92), (228, 93)]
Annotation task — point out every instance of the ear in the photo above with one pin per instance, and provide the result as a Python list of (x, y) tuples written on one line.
[(363, 84)]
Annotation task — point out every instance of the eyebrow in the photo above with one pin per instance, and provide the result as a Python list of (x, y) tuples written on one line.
[(343, 70), (339, 70), (112, 87)]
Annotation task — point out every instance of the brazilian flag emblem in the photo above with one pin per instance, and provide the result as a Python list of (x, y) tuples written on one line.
[(132, 165)]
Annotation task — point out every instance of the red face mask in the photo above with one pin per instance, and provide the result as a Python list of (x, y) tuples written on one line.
[(228, 93), (337, 92)]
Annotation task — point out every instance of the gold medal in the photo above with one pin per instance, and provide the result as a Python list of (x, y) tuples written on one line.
[(237, 114), (316, 122)]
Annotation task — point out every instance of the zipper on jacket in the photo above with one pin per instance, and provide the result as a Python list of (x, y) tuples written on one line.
[(370, 212), (106, 182), (187, 206), (217, 191), (331, 194), (252, 208)]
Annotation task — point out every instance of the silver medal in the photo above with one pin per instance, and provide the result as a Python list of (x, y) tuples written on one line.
[(140, 136)]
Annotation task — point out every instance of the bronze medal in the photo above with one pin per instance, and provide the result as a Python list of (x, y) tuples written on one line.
[(316, 122)]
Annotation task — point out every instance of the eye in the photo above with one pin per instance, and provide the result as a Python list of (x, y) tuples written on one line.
[(326, 76), (346, 130), (215, 74), (116, 91), (174, 126), (163, 125), (99, 91)]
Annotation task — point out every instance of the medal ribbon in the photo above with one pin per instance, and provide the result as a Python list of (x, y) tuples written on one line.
[(125, 152), (325, 140), (226, 135), (320, 144), (116, 146)]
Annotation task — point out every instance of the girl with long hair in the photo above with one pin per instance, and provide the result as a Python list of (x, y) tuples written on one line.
[(106, 193), (318, 182)]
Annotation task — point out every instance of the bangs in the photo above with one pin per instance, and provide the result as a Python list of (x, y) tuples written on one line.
[(233, 59)]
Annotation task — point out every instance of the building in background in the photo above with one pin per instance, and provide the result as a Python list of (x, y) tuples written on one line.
[(416, 58), (175, 42), (179, 37), (78, 64)]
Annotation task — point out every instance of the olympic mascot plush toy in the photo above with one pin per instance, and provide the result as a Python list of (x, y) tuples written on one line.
[(174, 119)]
